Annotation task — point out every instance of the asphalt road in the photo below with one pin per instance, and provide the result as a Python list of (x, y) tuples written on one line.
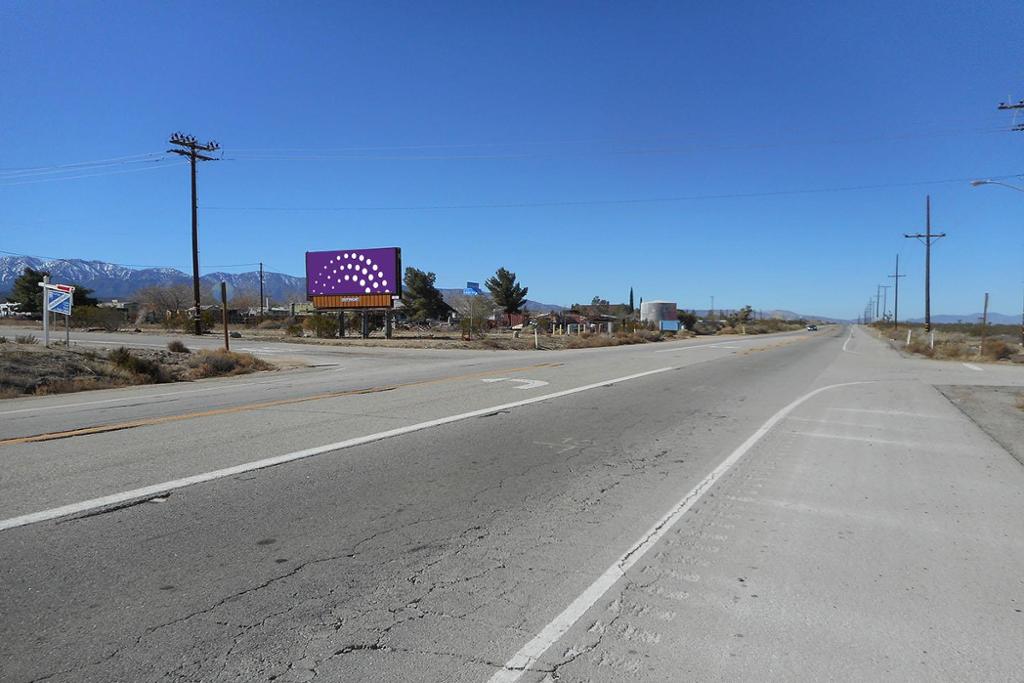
[(804, 507)]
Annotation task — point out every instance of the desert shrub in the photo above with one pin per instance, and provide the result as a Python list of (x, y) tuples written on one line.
[(110, 319), (322, 326), (219, 363), (177, 346), (294, 330), (142, 368), (3, 340), (271, 325), (950, 349), (25, 339), (997, 349), (649, 335), (920, 346)]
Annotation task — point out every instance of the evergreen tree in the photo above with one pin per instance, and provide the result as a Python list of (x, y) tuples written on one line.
[(506, 291), (421, 298), (631, 300), (27, 292)]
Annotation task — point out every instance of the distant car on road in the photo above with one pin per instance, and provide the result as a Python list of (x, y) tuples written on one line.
[(812, 328)]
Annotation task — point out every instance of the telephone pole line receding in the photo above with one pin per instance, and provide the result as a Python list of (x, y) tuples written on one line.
[(1018, 105), (896, 300), (885, 299), (261, 291), (927, 238), (188, 146)]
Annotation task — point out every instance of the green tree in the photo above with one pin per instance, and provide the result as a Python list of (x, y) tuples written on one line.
[(631, 307), (83, 297), (687, 318), (421, 297), (506, 291), (27, 292)]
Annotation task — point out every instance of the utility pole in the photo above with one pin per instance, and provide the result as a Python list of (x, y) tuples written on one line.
[(896, 301), (188, 146), (878, 299), (927, 238), (261, 291), (1018, 105), (984, 325), (885, 299)]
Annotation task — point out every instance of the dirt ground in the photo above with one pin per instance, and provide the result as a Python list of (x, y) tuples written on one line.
[(32, 369), (999, 411)]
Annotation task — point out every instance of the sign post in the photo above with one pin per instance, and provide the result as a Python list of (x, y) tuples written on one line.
[(56, 299), (472, 289)]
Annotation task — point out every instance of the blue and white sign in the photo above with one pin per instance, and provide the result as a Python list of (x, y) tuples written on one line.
[(472, 289), (58, 301)]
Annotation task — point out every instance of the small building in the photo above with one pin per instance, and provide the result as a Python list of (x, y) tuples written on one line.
[(656, 311)]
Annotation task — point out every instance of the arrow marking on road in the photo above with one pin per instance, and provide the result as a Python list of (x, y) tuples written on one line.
[(526, 383)]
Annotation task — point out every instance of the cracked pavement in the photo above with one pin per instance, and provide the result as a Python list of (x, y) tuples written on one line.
[(436, 555)]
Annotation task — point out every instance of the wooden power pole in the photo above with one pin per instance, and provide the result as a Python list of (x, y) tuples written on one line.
[(927, 238), (896, 301), (188, 146)]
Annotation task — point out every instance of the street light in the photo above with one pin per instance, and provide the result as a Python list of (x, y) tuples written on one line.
[(976, 183)]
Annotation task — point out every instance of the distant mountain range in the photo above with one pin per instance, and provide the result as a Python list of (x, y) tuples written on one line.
[(111, 281)]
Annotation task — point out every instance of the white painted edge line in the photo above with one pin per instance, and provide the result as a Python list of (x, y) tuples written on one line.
[(693, 346), (972, 366), (156, 489), (550, 634)]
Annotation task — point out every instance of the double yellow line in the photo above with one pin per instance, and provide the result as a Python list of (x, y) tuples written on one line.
[(145, 422)]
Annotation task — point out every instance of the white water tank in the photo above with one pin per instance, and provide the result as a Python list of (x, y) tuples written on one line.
[(656, 311)]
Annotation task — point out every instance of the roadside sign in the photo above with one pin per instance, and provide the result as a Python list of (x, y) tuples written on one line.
[(58, 301), (470, 292)]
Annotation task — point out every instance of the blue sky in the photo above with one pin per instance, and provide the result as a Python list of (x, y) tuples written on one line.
[(539, 120)]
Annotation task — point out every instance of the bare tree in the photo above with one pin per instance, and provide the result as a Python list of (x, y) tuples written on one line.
[(163, 299)]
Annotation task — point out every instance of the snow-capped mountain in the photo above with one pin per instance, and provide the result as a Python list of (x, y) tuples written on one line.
[(112, 281)]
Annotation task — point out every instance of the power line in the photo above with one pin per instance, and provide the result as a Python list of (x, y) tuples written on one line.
[(601, 202), (350, 154), (78, 164), (157, 165)]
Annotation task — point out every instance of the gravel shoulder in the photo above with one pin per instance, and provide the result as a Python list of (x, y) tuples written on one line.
[(996, 410)]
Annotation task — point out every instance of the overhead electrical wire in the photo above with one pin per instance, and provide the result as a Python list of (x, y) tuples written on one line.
[(600, 202)]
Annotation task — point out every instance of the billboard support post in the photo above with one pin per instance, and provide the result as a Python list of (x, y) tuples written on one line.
[(387, 324)]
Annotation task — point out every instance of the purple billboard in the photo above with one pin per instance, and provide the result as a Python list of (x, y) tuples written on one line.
[(354, 271)]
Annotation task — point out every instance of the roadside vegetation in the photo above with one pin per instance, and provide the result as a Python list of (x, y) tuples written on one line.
[(958, 341), (31, 369)]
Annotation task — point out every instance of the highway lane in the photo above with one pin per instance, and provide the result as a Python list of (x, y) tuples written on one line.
[(350, 369), (440, 554)]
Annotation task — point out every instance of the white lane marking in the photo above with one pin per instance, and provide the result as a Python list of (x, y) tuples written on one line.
[(126, 342), (717, 345), (527, 383), (898, 413), (972, 366), (156, 489), (144, 398), (848, 340), (862, 439), (550, 634)]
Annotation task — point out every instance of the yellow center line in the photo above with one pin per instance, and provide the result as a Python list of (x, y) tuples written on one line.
[(144, 422)]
